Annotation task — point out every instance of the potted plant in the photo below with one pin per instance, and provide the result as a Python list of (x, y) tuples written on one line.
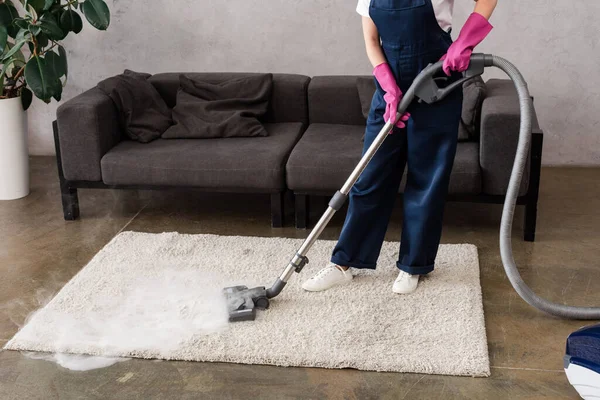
[(33, 63)]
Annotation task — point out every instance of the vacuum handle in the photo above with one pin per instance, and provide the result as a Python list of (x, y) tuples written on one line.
[(425, 86)]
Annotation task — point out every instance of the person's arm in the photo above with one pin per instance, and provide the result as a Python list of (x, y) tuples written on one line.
[(372, 44), (485, 7), (383, 73)]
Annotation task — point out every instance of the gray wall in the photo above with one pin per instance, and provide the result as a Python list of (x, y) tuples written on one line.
[(554, 43)]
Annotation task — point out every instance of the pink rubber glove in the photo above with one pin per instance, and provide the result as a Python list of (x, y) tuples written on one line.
[(459, 54), (393, 94)]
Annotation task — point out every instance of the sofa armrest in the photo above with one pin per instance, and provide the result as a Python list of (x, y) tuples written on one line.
[(88, 127), (500, 124)]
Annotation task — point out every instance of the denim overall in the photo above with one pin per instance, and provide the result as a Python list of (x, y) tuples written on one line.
[(411, 38)]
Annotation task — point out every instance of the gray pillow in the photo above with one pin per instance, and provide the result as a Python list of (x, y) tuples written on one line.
[(143, 114), (474, 92), (226, 109)]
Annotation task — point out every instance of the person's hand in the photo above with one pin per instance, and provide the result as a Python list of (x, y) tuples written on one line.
[(393, 94), (459, 54)]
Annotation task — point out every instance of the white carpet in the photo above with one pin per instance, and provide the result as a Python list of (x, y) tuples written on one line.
[(157, 296)]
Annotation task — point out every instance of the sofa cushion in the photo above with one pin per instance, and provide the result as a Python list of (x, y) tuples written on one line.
[(225, 109), (473, 96), (334, 100), (143, 114), (256, 164), (288, 101), (327, 153)]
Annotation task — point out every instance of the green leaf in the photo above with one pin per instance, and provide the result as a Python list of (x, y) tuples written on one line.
[(1, 85), (31, 12), (7, 14), (48, 4), (5, 67), (17, 55), (63, 55), (56, 6), (21, 23), (71, 21), (57, 89), (23, 35), (40, 78), (42, 40), (55, 63), (3, 38), (35, 29), (26, 98), (49, 26), (97, 13), (15, 49), (7, 64), (37, 5)]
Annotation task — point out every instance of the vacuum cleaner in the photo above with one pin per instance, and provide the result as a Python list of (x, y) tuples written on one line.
[(583, 349), (582, 361)]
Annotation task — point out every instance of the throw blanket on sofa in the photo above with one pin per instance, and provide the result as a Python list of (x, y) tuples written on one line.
[(227, 109)]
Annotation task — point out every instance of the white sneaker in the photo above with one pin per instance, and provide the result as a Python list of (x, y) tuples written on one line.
[(327, 278), (405, 283)]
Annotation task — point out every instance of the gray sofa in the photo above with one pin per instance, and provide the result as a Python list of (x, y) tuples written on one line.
[(92, 151), (315, 128), (331, 147)]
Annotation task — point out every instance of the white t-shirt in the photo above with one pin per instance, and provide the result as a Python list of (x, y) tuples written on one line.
[(443, 11)]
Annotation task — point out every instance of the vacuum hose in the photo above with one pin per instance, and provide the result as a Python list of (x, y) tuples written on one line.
[(512, 272)]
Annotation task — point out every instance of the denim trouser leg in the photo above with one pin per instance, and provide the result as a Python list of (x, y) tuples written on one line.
[(427, 147), (431, 148), (371, 201)]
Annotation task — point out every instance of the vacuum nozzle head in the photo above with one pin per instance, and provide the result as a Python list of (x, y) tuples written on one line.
[(242, 302)]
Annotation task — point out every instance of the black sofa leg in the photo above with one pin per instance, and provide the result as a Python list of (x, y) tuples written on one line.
[(530, 222), (302, 210), (537, 142), (70, 202), (277, 209)]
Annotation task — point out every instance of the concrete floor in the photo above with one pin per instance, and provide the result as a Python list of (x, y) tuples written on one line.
[(39, 252)]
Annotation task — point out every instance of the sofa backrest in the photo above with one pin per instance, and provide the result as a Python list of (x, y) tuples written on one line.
[(288, 100), (334, 100)]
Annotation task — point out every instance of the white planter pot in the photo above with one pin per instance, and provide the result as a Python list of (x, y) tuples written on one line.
[(14, 156)]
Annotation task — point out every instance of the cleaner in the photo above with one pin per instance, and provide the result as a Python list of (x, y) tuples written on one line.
[(582, 358), (426, 88), (582, 361)]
